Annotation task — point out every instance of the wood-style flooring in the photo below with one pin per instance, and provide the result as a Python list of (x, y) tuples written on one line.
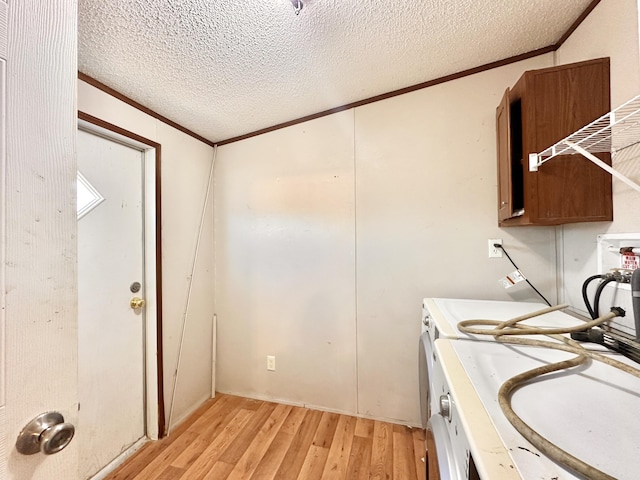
[(237, 438)]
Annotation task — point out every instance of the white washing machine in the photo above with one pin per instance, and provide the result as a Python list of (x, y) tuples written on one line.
[(441, 315), (589, 412)]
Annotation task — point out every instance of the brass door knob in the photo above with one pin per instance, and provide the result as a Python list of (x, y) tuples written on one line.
[(136, 303)]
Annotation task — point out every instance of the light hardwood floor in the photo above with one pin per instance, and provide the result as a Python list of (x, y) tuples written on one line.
[(237, 438)]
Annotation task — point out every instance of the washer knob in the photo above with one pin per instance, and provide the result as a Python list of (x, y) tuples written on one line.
[(445, 406)]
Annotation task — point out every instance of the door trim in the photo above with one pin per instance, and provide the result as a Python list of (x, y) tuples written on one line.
[(154, 384)]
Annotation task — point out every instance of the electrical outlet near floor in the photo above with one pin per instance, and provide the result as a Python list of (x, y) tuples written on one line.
[(271, 362), (494, 252)]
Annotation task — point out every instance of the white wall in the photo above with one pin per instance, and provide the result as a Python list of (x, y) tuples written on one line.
[(285, 265), (426, 202), (414, 223), (186, 163), (611, 30), (330, 233)]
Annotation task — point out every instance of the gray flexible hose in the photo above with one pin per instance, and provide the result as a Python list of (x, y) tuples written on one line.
[(504, 331)]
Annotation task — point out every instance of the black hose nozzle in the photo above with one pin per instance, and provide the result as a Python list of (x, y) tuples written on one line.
[(618, 311)]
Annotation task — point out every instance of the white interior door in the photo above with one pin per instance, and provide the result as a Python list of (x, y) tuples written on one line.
[(111, 334), (38, 224)]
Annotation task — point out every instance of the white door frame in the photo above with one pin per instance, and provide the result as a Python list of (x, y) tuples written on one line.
[(154, 414)]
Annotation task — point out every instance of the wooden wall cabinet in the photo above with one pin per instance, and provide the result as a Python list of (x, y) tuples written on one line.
[(543, 107)]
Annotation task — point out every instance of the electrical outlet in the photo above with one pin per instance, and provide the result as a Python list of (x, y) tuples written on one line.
[(271, 362), (494, 252)]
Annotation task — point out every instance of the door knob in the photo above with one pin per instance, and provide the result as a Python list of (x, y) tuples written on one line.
[(136, 302), (47, 433)]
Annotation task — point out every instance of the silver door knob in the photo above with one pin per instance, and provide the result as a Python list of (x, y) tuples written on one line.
[(47, 433)]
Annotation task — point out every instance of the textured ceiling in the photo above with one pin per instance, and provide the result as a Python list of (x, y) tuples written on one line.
[(226, 68)]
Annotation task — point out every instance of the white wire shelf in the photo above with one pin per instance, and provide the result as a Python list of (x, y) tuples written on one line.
[(613, 132)]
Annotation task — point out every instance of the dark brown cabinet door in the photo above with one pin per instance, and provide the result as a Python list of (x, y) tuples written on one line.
[(548, 105), (504, 159)]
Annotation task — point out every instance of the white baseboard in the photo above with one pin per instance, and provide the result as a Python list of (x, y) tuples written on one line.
[(119, 460)]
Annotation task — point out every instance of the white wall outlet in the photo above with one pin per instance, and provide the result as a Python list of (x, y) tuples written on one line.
[(495, 252), (271, 362)]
